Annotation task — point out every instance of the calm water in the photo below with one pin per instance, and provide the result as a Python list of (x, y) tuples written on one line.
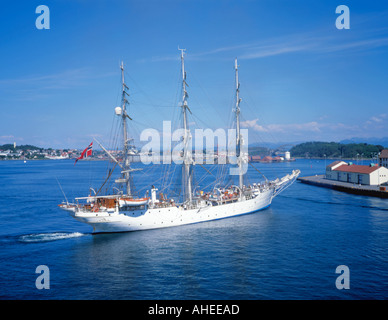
[(288, 251)]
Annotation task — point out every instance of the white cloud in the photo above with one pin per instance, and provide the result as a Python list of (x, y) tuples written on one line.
[(40, 86), (274, 50), (312, 126), (375, 120), (253, 124), (9, 139), (313, 42), (312, 130)]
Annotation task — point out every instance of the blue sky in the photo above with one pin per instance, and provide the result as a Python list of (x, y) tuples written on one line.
[(301, 78)]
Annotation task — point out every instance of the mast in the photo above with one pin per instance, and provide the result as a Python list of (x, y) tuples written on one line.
[(238, 135), (187, 161), (126, 164)]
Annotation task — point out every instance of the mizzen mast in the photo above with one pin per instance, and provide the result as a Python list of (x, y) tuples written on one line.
[(238, 134)]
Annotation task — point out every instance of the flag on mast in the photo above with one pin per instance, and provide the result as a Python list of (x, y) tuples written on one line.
[(86, 153)]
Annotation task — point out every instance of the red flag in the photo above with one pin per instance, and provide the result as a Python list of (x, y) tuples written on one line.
[(86, 153)]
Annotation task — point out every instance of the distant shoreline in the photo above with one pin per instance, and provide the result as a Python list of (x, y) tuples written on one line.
[(335, 158), (296, 158), (52, 159)]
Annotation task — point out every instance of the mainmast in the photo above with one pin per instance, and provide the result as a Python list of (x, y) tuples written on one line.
[(238, 134), (126, 164), (187, 159)]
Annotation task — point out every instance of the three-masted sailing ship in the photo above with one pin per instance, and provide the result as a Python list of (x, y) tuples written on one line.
[(125, 211)]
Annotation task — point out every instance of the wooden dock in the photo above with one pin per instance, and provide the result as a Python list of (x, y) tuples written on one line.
[(364, 190)]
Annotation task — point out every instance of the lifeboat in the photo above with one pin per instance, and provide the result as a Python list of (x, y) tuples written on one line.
[(133, 202), (68, 207)]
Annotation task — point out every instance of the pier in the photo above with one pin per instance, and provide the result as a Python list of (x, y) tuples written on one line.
[(365, 190)]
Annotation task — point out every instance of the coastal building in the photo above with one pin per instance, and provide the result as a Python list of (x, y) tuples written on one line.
[(255, 158), (4, 153), (358, 174), (383, 158), (10, 154)]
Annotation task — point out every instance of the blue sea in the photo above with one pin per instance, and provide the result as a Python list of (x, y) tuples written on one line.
[(288, 251)]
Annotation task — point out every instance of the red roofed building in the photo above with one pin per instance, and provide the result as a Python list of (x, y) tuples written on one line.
[(267, 159), (355, 168), (358, 174)]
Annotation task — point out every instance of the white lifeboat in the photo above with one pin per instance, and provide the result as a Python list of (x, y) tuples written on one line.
[(133, 202)]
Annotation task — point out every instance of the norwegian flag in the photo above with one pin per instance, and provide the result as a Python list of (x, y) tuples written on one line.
[(86, 153)]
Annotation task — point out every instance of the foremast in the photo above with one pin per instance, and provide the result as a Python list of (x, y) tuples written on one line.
[(187, 182)]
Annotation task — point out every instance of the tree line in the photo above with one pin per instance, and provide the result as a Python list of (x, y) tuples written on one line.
[(25, 147), (318, 149)]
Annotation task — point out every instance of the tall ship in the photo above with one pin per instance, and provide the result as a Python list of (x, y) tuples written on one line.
[(124, 210)]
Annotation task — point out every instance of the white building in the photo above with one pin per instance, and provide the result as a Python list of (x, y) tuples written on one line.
[(5, 153), (359, 174)]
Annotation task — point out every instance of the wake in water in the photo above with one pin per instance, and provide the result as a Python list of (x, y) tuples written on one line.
[(44, 237)]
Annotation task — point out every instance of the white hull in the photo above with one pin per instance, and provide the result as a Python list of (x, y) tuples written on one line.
[(153, 218)]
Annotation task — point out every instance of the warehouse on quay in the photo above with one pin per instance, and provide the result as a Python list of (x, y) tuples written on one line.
[(372, 174)]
